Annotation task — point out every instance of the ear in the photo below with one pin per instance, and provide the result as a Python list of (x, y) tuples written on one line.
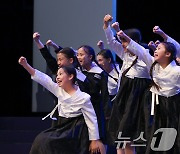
[(90, 57), (168, 54), (71, 77), (71, 60), (109, 60)]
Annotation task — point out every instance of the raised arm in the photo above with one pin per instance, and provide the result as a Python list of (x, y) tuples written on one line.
[(22, 61), (152, 45), (116, 27), (50, 60), (137, 49), (40, 77), (111, 40), (167, 38), (36, 37), (100, 44), (54, 45)]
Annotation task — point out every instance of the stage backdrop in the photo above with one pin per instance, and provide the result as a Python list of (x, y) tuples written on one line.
[(69, 23)]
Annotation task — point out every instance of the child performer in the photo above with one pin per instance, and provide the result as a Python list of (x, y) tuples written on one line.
[(75, 115), (163, 97)]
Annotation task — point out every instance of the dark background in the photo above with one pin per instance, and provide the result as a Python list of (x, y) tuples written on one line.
[(16, 40)]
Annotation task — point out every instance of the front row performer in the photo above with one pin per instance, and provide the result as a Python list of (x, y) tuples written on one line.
[(76, 118)]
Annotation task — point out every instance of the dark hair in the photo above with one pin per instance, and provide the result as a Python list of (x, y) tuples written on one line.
[(89, 50), (106, 53), (134, 34), (70, 70), (70, 53), (169, 47)]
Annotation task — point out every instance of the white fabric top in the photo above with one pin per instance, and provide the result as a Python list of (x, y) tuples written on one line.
[(139, 70), (71, 105), (95, 69), (168, 78), (112, 84), (177, 45)]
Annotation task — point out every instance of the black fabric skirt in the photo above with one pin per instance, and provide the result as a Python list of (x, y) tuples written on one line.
[(126, 107), (166, 115), (70, 136)]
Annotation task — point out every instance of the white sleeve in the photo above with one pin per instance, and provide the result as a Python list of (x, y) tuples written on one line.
[(46, 82), (142, 53), (113, 43), (90, 119), (177, 45)]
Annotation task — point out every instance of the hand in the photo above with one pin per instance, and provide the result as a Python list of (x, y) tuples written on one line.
[(123, 37), (115, 25), (36, 36), (152, 45), (178, 60), (107, 19), (157, 43), (158, 31), (49, 43), (22, 61), (100, 44), (94, 147)]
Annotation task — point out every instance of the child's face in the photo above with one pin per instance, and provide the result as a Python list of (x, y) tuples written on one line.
[(103, 62), (160, 53), (62, 60), (83, 58), (62, 78)]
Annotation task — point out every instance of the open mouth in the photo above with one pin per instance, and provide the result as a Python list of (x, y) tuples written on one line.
[(59, 82), (80, 61), (155, 55)]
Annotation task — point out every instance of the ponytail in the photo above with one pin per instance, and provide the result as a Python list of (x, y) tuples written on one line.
[(151, 75)]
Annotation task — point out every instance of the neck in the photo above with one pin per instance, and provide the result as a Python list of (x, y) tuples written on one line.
[(164, 64), (70, 89), (88, 67), (109, 68)]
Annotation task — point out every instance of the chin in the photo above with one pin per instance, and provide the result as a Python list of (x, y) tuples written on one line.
[(156, 58), (60, 85)]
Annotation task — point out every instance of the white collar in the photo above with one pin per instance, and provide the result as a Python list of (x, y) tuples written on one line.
[(95, 69)]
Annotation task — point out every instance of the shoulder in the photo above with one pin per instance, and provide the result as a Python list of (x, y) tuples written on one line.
[(176, 69), (85, 96), (95, 69), (82, 94)]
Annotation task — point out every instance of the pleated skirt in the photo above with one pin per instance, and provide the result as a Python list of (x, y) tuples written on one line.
[(70, 136), (166, 117), (126, 108)]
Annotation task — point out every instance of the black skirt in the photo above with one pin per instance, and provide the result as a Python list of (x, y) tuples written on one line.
[(126, 107), (166, 115), (70, 136)]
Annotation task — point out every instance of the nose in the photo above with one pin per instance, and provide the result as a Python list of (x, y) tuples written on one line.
[(59, 64)]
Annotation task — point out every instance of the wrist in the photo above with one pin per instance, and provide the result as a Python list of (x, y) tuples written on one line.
[(105, 26)]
